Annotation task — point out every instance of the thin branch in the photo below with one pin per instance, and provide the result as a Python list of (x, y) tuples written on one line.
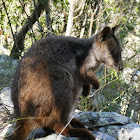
[(91, 24), (134, 1), (103, 87), (80, 6), (48, 20), (66, 125), (99, 17), (23, 8), (8, 19), (83, 29)]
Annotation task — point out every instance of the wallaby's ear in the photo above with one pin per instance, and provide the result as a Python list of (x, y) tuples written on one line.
[(104, 33), (114, 29)]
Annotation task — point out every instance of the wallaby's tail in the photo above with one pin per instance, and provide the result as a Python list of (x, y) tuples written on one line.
[(82, 133)]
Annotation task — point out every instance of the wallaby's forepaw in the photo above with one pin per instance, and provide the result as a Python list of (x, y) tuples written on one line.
[(85, 94), (96, 85), (86, 90)]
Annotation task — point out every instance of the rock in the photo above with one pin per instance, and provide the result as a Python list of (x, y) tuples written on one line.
[(5, 97), (110, 123), (87, 118), (129, 131), (37, 133), (102, 136), (100, 119), (99, 136), (104, 125), (8, 130), (7, 70), (57, 137)]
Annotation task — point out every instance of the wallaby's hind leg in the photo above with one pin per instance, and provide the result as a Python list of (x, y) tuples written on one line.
[(82, 133), (48, 130), (22, 129)]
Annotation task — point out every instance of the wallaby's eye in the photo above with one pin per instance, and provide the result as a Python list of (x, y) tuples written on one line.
[(113, 52)]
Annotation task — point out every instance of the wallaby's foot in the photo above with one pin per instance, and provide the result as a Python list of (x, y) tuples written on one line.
[(76, 123), (69, 131)]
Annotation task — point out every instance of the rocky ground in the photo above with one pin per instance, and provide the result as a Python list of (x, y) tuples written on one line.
[(5, 117), (104, 125)]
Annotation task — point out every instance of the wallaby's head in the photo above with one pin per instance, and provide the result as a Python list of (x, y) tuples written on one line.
[(108, 49)]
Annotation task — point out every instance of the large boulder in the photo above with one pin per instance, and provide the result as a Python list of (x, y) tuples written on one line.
[(7, 70)]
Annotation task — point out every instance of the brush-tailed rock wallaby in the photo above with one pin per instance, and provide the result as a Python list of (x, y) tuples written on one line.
[(52, 74)]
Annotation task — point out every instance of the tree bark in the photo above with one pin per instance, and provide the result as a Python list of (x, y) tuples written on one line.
[(64, 23), (20, 36), (48, 20), (70, 18)]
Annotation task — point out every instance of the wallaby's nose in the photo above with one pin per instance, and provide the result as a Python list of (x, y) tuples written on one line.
[(120, 67)]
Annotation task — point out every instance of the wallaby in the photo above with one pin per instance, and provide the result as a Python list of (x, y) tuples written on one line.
[(50, 77)]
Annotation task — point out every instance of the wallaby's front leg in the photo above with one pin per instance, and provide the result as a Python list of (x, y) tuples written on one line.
[(91, 78), (86, 89)]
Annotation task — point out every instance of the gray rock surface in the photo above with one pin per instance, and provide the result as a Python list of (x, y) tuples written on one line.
[(6, 131), (7, 70), (104, 125), (129, 131)]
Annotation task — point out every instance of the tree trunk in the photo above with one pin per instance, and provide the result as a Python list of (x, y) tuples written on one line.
[(64, 23), (48, 20), (20, 36), (70, 18)]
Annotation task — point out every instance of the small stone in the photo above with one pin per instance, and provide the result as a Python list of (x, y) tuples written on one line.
[(6, 98), (8, 130)]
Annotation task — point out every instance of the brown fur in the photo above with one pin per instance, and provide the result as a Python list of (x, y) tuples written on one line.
[(50, 76)]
